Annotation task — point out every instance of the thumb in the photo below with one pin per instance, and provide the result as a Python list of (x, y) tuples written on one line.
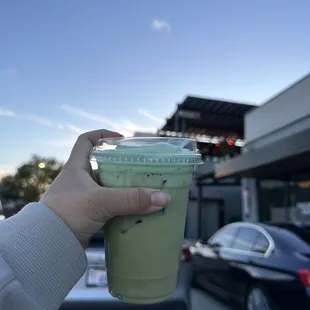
[(122, 201)]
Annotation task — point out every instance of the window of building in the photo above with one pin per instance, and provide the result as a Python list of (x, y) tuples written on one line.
[(274, 199)]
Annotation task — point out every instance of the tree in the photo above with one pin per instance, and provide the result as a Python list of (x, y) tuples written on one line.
[(31, 179)]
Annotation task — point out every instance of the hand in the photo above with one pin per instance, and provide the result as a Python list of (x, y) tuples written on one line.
[(84, 205)]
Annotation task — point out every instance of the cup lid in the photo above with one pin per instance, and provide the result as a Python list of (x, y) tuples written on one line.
[(147, 150)]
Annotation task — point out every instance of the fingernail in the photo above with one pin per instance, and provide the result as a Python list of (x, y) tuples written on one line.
[(160, 198), (157, 209)]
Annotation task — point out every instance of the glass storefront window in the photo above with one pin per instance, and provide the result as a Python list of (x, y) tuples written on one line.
[(277, 200)]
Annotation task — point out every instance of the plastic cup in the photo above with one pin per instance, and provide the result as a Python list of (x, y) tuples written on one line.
[(143, 251)]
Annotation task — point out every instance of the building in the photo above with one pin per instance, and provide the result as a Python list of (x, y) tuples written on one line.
[(218, 127), (275, 161), (144, 134)]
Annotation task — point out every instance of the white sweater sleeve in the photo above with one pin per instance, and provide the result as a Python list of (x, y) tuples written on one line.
[(40, 260)]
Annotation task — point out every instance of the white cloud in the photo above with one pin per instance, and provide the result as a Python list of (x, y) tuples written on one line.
[(133, 127), (88, 115), (66, 143), (150, 116), (49, 123), (42, 121), (5, 112), (160, 25), (125, 127), (75, 129)]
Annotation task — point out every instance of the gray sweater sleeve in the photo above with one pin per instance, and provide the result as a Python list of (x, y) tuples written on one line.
[(40, 260)]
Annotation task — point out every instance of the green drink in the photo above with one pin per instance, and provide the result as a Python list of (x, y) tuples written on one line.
[(143, 251)]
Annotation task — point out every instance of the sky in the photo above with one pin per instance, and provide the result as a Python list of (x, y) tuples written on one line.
[(69, 66)]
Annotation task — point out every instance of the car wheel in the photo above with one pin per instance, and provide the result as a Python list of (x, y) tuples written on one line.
[(257, 299)]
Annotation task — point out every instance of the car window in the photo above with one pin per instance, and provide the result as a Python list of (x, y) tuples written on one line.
[(261, 244), (224, 237), (245, 238)]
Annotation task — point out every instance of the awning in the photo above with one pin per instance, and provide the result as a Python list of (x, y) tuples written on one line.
[(210, 117), (279, 160)]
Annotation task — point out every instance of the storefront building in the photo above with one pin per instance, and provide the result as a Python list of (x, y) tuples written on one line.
[(275, 162), (218, 127)]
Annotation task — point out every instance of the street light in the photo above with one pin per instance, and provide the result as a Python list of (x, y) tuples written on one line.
[(41, 165), (40, 177)]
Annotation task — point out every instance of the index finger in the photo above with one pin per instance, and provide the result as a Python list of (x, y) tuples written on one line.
[(79, 156)]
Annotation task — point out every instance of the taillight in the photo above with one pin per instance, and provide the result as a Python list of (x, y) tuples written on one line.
[(304, 276), (186, 254)]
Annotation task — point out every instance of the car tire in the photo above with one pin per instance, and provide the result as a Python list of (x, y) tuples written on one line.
[(257, 299)]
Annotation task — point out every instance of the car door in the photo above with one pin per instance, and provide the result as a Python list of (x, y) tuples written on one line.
[(239, 258), (210, 257), (220, 245), (200, 253)]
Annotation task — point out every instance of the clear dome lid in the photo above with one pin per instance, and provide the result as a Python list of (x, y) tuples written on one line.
[(147, 150)]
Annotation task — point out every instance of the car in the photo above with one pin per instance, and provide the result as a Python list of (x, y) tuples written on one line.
[(91, 292), (256, 265)]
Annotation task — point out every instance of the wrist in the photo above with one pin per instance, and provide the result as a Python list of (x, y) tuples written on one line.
[(78, 225)]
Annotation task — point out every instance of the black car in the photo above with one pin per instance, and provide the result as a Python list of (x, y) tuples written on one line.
[(92, 293), (258, 266)]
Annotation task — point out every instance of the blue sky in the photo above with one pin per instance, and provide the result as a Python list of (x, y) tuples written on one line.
[(73, 65)]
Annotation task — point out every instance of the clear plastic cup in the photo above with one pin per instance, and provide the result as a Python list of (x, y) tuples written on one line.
[(143, 251)]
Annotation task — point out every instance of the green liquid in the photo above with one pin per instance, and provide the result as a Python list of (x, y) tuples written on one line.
[(143, 251)]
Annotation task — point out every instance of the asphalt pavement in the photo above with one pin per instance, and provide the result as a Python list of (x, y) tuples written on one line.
[(204, 301)]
